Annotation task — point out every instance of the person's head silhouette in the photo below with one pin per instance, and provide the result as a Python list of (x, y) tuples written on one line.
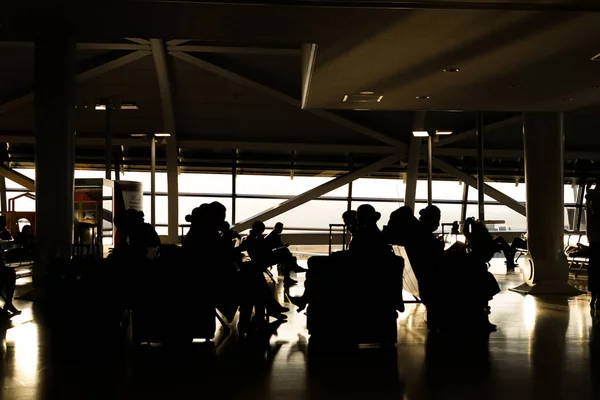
[(258, 228), (2, 222), (278, 228), (349, 218), (367, 216), (430, 217)]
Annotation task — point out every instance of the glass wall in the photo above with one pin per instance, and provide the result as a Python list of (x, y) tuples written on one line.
[(255, 194)]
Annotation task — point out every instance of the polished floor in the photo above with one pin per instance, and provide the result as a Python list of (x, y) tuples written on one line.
[(545, 348)]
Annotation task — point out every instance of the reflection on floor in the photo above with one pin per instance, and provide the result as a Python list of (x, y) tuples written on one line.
[(545, 348)]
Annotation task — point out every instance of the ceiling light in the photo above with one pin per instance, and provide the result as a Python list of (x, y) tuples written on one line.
[(443, 132), (423, 97), (129, 105), (451, 69), (596, 57), (345, 98), (568, 99), (514, 86), (380, 98), (138, 134), (100, 107), (595, 87), (367, 92), (420, 134), (162, 134), (361, 109)]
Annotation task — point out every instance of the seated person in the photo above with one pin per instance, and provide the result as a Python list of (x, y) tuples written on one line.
[(367, 234), (281, 254), (349, 218), (229, 235), (140, 234), (255, 290), (372, 304), (368, 243), (25, 238), (8, 276)]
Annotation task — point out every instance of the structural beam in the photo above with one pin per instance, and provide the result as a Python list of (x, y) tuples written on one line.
[(317, 192), (472, 181), (412, 172), (81, 77), (138, 40), (472, 132), (17, 178), (309, 57), (177, 42), (81, 46), (480, 167), (215, 144), (168, 113), (242, 80), (234, 50)]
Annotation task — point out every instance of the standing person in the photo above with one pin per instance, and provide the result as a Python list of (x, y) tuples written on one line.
[(8, 276), (592, 210)]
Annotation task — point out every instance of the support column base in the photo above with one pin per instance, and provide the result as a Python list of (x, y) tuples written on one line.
[(548, 288)]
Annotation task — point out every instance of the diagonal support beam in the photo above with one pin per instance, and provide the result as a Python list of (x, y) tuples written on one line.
[(317, 192), (242, 80), (472, 181), (309, 57), (168, 113), (17, 178), (81, 77), (234, 49), (138, 40), (487, 128)]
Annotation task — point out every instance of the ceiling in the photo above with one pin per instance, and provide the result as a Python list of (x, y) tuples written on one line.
[(512, 56)]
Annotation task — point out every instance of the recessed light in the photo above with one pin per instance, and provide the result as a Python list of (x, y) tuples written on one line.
[(514, 86), (129, 105), (451, 69), (345, 98), (137, 134), (380, 98), (420, 134), (162, 134), (367, 92), (568, 99), (423, 97), (443, 132), (100, 107)]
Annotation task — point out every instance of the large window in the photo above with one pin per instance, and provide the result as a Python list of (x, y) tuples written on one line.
[(256, 194)]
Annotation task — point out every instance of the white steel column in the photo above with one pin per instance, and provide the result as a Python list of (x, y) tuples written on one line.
[(166, 95), (544, 146)]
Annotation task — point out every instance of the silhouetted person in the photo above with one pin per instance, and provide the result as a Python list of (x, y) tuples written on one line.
[(426, 255), (367, 235), (140, 234), (482, 247), (8, 276), (257, 294), (368, 244), (26, 238), (349, 218), (592, 209), (282, 255), (4, 232), (230, 235)]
